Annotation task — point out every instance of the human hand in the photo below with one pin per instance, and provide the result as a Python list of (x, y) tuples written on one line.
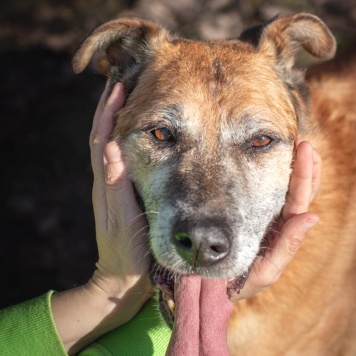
[(121, 226), (292, 226), (120, 284)]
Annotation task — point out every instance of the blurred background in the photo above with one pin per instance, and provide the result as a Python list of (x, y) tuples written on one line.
[(46, 222)]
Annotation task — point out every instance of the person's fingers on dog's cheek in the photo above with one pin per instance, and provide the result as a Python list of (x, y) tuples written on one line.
[(101, 135), (100, 108), (105, 122), (300, 186), (267, 268), (287, 243), (99, 139), (120, 195), (115, 170), (317, 168)]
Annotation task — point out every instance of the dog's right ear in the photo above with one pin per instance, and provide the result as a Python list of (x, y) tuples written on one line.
[(120, 47)]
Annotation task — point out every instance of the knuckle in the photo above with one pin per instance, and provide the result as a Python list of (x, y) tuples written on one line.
[(294, 243), (96, 139), (114, 175)]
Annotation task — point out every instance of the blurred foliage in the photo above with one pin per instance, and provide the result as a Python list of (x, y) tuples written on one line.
[(60, 25)]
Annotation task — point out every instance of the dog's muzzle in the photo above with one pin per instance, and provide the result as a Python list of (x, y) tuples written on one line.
[(201, 243)]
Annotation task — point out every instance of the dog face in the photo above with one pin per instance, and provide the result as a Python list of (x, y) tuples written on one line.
[(210, 154), (208, 133)]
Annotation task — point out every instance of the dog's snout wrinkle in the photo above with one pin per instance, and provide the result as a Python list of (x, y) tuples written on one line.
[(200, 244)]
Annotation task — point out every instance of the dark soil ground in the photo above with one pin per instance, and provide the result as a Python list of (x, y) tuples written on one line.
[(47, 229)]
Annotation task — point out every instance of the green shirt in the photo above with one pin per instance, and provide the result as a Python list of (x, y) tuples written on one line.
[(28, 329)]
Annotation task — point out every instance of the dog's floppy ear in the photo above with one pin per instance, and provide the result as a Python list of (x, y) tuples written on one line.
[(280, 41), (120, 47), (282, 37)]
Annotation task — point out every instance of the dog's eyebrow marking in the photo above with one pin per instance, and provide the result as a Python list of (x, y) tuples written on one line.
[(172, 113), (250, 124)]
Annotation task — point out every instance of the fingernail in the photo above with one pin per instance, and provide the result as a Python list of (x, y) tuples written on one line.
[(309, 224)]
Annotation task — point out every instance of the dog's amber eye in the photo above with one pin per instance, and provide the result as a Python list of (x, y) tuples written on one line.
[(261, 141), (162, 134)]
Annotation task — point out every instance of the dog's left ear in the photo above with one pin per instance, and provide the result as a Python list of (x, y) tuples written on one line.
[(280, 41), (120, 48), (283, 37)]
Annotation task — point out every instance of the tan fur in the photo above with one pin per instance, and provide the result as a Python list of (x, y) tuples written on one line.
[(221, 86), (311, 310)]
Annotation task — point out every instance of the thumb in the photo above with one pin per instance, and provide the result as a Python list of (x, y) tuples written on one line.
[(291, 237)]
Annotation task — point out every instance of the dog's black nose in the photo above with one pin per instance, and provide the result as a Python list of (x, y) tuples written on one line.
[(201, 244)]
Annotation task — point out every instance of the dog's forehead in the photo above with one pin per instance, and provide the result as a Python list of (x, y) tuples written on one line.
[(208, 81), (231, 75), (212, 61)]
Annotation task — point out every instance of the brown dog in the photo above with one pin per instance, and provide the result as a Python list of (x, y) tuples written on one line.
[(208, 133)]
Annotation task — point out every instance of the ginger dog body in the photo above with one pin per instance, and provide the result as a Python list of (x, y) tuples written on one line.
[(311, 310), (208, 133)]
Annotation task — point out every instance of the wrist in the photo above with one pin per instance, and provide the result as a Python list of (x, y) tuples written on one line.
[(84, 313), (117, 285), (122, 295)]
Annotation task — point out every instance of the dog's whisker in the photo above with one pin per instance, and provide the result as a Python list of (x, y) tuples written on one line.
[(147, 253), (142, 231)]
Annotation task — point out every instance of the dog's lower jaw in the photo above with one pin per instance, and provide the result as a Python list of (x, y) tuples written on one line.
[(165, 279)]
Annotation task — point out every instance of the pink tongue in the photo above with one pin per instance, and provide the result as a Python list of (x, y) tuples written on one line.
[(202, 312)]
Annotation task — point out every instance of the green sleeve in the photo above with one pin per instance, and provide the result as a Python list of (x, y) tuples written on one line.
[(144, 335), (28, 329)]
